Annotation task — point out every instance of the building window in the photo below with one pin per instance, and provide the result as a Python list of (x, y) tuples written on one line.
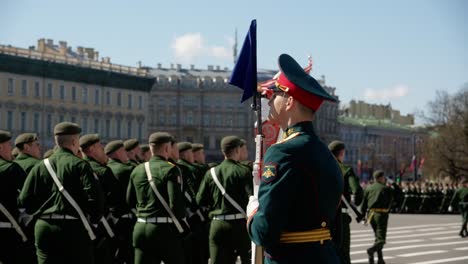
[(37, 89), (23, 121), (162, 118), (36, 122), (140, 102), (206, 141), (11, 86), (73, 93), (173, 119), (96, 96), (73, 119), (130, 103), (49, 124), (241, 120), (206, 120), (85, 95), (189, 118), (119, 99), (218, 120), (10, 120), (96, 125), (140, 130), (84, 125), (62, 92), (129, 128), (50, 90), (24, 88), (108, 97), (61, 118), (107, 128), (119, 128)]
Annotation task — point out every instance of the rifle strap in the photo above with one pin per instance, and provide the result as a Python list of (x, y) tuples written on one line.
[(70, 199)]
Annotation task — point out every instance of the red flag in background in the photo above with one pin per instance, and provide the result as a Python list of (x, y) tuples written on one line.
[(413, 163), (421, 163), (359, 168)]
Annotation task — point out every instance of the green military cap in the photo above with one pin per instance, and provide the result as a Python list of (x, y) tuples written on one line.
[(130, 144), (88, 140), (113, 146), (144, 147), (4, 136), (160, 138), (244, 142), (378, 174), (197, 147), (67, 128), (25, 138), (336, 146), (48, 153), (183, 146), (228, 143)]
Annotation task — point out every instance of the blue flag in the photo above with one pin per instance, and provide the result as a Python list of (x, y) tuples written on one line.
[(244, 74)]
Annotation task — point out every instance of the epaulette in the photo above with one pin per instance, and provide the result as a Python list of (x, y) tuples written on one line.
[(171, 163), (293, 135)]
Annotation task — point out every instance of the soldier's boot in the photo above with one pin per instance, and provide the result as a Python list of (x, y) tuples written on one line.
[(370, 254), (380, 255)]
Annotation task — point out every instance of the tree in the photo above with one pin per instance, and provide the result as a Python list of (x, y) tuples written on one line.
[(447, 147)]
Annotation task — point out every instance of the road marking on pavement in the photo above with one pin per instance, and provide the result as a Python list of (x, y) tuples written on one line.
[(462, 248), (442, 260), (366, 259), (422, 253), (444, 238), (370, 237), (431, 229), (389, 242), (413, 246)]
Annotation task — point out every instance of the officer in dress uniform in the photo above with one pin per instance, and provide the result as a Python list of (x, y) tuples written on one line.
[(155, 237), (460, 200), (132, 146), (352, 193), (121, 168), (301, 183), (377, 201), (62, 233), (12, 178), (93, 152), (29, 151), (228, 237)]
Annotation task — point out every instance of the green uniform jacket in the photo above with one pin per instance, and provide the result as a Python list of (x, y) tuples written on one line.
[(26, 162), (377, 195), (196, 174), (122, 173), (460, 200), (300, 189), (40, 195), (351, 184), (109, 184), (141, 196), (12, 178), (236, 180)]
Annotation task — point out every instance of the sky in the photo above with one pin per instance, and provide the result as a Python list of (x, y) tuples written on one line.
[(399, 52)]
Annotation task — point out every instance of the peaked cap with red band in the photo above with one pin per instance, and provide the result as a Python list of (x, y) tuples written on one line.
[(299, 84)]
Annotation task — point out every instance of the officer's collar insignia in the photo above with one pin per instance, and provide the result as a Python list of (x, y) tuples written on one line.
[(291, 136), (289, 132), (269, 172)]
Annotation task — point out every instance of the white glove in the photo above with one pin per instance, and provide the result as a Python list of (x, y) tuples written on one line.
[(390, 180), (252, 205), (450, 209)]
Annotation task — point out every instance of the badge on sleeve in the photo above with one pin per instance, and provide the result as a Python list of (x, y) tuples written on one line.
[(269, 172)]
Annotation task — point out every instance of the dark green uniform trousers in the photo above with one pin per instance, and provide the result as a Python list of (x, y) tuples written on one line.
[(62, 241), (154, 243), (379, 223), (11, 241), (345, 238), (229, 239)]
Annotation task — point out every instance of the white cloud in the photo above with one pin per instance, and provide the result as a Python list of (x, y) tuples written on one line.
[(189, 46), (386, 94)]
